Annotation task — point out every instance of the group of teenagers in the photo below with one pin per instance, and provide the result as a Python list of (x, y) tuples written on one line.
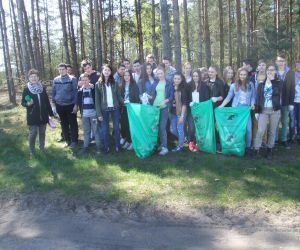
[(271, 91)]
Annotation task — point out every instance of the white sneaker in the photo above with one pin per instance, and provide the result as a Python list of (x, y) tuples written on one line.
[(163, 151), (122, 141), (126, 145), (130, 147)]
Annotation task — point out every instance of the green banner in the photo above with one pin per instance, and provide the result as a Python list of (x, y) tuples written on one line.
[(205, 127), (143, 123), (232, 126)]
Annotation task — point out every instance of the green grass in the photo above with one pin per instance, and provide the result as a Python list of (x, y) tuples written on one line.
[(177, 180)]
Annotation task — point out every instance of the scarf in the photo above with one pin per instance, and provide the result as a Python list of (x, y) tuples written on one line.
[(35, 88)]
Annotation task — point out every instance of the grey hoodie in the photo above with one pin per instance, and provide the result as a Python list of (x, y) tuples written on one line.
[(64, 90)]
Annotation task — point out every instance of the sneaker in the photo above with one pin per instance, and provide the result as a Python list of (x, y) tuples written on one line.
[(73, 145), (122, 141), (196, 149), (177, 149), (118, 149), (126, 145), (130, 147), (285, 145), (192, 146), (163, 151), (105, 150)]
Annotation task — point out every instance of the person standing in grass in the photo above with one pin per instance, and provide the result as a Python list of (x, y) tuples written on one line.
[(179, 110), (198, 91), (216, 85), (187, 69), (295, 114), (64, 99), (130, 94), (37, 104), (288, 96), (242, 94), (267, 110), (119, 74), (86, 105), (162, 95), (108, 101)]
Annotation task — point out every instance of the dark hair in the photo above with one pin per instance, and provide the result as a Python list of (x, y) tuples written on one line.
[(183, 81), (281, 55), (136, 61), (86, 62), (261, 61), (33, 72), (144, 75), (248, 61), (161, 66), (126, 60), (166, 58), (62, 65), (111, 79), (120, 65), (131, 81), (69, 65), (200, 79), (297, 61)]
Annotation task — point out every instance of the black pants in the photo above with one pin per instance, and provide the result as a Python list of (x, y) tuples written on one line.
[(125, 132), (68, 122)]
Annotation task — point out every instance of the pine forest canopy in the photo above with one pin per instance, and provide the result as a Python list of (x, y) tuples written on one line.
[(42, 33)]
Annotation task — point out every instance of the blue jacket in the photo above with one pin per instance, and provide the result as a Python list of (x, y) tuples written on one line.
[(64, 90), (147, 87), (250, 97), (169, 92)]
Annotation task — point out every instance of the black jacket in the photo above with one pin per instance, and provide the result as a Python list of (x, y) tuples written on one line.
[(133, 93), (216, 90), (276, 96), (184, 98), (38, 113), (288, 89), (202, 88)]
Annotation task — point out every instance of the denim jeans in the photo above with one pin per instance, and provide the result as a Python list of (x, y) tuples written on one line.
[(163, 119), (90, 124), (177, 129), (115, 115), (295, 122), (191, 130)]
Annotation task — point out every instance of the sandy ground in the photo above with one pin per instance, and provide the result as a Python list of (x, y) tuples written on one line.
[(53, 222)]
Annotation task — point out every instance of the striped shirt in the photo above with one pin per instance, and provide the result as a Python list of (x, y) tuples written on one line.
[(88, 106)]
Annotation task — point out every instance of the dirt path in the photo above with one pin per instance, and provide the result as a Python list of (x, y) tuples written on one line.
[(32, 223)]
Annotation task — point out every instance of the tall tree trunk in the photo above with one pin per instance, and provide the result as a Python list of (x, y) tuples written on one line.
[(24, 49), (221, 24), (92, 30), (8, 71), (82, 47), (103, 31), (122, 30), (41, 47), (27, 32), (14, 32), (254, 30), (110, 9), (73, 40), (248, 34), (46, 14), (64, 29), (239, 32), (177, 38), (98, 35), (35, 38), (186, 30), (165, 29), (200, 33), (230, 32), (17, 38), (207, 35), (154, 46), (138, 9), (299, 32)]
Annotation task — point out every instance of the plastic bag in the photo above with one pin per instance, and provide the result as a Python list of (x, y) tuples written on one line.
[(143, 124), (232, 126), (203, 116)]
